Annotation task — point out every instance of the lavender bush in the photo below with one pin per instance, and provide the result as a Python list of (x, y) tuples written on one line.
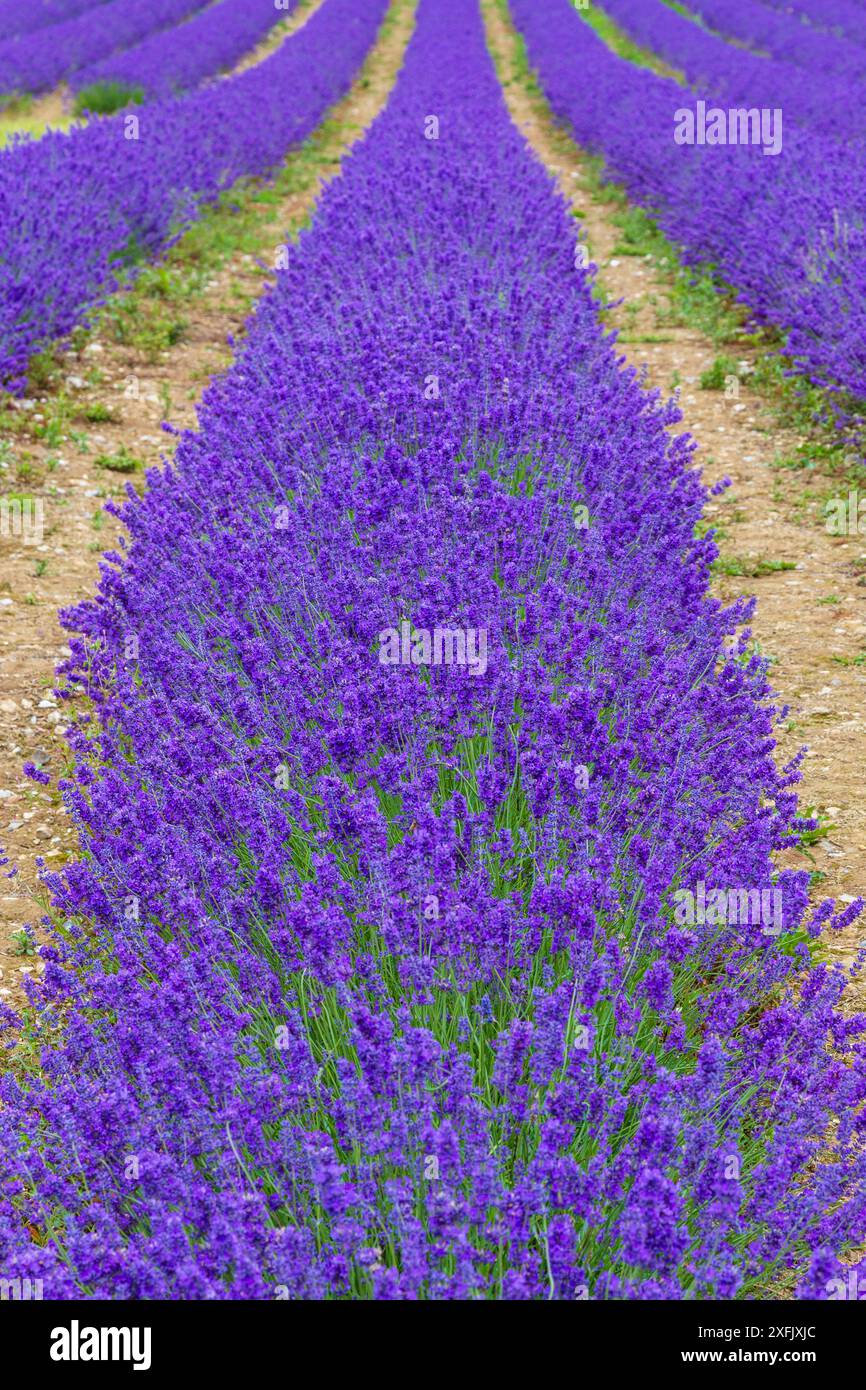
[(783, 35), (35, 61), (25, 16), (827, 105), (177, 59), (100, 198), (377, 977), (845, 18)]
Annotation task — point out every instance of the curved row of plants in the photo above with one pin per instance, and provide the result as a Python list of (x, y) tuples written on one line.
[(37, 60), (177, 59)]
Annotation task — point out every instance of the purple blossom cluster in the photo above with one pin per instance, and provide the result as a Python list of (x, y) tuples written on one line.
[(359, 989), (178, 59), (79, 209), (783, 35), (785, 231), (36, 61), (24, 16)]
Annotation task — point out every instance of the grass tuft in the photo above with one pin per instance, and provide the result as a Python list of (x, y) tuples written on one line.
[(713, 379), (121, 462), (104, 98)]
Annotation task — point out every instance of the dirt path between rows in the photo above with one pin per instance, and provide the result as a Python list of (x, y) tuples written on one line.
[(59, 471), (34, 117), (810, 618)]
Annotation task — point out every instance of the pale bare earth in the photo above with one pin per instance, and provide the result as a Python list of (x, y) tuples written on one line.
[(50, 112), (806, 616), (40, 577)]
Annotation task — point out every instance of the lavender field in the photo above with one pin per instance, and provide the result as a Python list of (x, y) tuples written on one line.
[(433, 651)]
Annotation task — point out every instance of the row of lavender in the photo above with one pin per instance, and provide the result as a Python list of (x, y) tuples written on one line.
[(845, 18), (784, 35), (826, 104), (786, 229), (36, 61), (421, 750), (99, 198), (178, 59), (25, 16)]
